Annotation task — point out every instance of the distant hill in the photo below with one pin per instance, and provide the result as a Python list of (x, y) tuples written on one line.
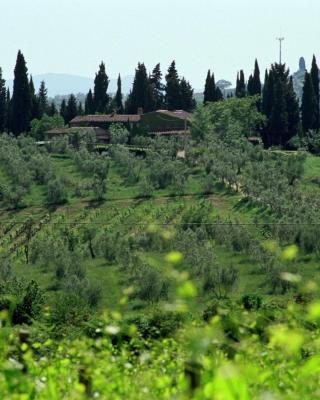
[(64, 84)]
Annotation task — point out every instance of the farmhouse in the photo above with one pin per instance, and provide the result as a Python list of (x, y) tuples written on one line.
[(160, 122), (155, 123)]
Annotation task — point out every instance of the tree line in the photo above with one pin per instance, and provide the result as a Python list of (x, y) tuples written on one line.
[(148, 92), (286, 117)]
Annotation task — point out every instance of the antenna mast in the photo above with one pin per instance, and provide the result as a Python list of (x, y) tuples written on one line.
[(281, 39)]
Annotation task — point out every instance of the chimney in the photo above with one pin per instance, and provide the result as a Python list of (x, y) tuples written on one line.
[(140, 111)]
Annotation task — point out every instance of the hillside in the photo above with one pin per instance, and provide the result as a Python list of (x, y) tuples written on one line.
[(134, 271)]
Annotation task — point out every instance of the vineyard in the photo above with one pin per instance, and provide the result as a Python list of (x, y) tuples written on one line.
[(130, 275)]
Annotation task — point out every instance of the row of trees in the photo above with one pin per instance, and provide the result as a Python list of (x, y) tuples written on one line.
[(286, 118), (25, 105), (18, 110), (148, 92)]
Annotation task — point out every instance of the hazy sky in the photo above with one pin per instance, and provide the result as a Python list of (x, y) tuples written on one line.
[(73, 36)]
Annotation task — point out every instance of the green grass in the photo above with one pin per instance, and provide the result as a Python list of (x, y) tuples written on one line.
[(311, 176), (121, 209)]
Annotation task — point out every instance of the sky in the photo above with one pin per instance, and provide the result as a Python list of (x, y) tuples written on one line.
[(73, 36)]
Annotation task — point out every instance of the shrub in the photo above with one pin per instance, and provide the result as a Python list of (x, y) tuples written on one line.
[(220, 280), (145, 188), (118, 134), (94, 295), (30, 306), (13, 197), (251, 301), (57, 191), (151, 285), (158, 324)]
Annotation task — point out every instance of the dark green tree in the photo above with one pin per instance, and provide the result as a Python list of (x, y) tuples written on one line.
[(63, 110), (267, 94), (187, 97), (139, 97), (241, 85), (173, 93), (9, 111), (278, 122), (118, 99), (21, 98), (256, 82), (280, 106), (43, 99), (100, 97), (3, 104), (71, 109), (308, 104), (157, 88), (80, 109), (89, 104), (219, 94), (210, 89), (52, 109), (316, 87), (250, 88), (35, 113), (293, 112)]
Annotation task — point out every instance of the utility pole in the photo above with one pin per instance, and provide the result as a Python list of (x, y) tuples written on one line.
[(281, 39)]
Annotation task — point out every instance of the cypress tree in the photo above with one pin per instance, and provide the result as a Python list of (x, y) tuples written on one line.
[(250, 86), (89, 104), (293, 112), (63, 110), (101, 83), (80, 109), (34, 101), (3, 104), (218, 94), (52, 109), (241, 85), (187, 98), (8, 111), (315, 83), (308, 104), (210, 90), (267, 94), (71, 109), (21, 99), (256, 82), (237, 84), (139, 97), (118, 100), (173, 94), (280, 106), (278, 122), (43, 99), (157, 88)]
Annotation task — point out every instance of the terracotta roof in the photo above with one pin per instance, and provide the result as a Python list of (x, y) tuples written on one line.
[(107, 118), (181, 114)]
